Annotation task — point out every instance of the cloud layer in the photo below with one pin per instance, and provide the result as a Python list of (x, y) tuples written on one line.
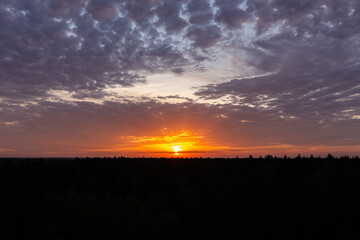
[(52, 128), (303, 58)]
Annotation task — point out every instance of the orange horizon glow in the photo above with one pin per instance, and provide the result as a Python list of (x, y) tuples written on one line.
[(183, 143), (199, 149), (186, 143)]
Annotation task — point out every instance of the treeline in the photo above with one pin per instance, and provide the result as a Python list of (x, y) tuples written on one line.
[(175, 198)]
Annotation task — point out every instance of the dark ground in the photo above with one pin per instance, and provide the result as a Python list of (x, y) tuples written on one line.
[(121, 198)]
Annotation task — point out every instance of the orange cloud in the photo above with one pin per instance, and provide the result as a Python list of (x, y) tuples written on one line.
[(184, 143)]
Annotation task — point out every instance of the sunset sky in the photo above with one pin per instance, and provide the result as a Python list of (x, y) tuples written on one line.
[(179, 77)]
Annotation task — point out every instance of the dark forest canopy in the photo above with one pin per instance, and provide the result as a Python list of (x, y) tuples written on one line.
[(174, 198)]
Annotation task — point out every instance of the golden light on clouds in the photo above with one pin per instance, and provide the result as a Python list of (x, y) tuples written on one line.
[(184, 141), (169, 137), (187, 143)]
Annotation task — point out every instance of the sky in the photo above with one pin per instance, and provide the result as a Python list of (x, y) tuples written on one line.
[(212, 78)]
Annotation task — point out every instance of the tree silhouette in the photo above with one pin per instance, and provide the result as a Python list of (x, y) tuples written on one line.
[(159, 198)]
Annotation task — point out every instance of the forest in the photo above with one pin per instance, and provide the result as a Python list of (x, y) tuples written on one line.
[(179, 198)]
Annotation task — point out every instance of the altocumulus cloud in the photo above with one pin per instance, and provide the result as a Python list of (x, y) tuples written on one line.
[(308, 59), (304, 58), (84, 45)]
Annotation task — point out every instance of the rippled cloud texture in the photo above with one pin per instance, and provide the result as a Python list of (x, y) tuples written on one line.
[(280, 76)]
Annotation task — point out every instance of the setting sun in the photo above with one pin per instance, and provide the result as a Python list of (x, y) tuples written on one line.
[(176, 149), (184, 142)]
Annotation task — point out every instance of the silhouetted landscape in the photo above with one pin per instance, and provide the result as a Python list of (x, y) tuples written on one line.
[(180, 78), (179, 198)]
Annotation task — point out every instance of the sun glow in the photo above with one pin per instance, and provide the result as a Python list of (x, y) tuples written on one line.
[(183, 142), (176, 149)]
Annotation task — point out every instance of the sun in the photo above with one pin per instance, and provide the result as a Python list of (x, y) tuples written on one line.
[(176, 149)]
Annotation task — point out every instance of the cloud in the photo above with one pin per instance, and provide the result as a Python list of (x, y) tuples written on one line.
[(70, 128), (102, 9), (82, 45), (168, 13), (178, 70), (303, 57), (307, 56), (231, 14), (200, 12), (205, 36)]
